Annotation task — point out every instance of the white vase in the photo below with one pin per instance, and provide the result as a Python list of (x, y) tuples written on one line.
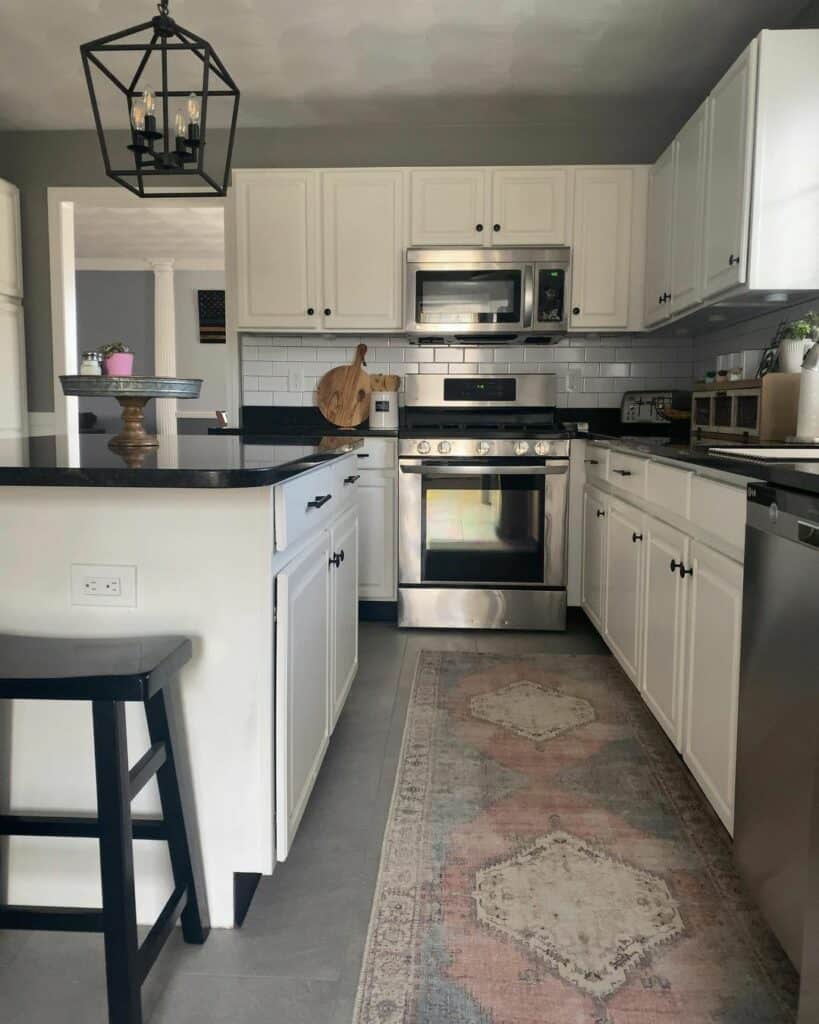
[(791, 354)]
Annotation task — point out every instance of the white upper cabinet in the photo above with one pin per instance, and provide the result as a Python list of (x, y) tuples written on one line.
[(363, 229), (277, 249), (728, 175), (11, 264), (659, 237), (687, 218), (449, 206), (529, 205), (602, 248)]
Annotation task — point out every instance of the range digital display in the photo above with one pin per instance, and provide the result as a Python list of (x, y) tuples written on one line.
[(480, 389)]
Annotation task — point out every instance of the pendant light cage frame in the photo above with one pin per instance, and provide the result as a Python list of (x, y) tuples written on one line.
[(160, 155)]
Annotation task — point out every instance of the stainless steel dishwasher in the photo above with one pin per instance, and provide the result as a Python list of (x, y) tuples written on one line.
[(776, 827)]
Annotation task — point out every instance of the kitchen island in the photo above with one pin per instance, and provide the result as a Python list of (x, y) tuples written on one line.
[(248, 549)]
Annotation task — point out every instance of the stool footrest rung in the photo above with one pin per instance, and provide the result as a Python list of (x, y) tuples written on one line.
[(78, 827), (51, 919), (158, 935), (146, 767)]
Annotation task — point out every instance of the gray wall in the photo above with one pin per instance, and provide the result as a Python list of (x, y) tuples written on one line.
[(116, 305), (809, 18), (193, 359)]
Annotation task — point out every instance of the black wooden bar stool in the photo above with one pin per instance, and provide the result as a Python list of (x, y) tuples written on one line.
[(109, 673)]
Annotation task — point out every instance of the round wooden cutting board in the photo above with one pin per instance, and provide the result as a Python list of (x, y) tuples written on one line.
[(344, 392)]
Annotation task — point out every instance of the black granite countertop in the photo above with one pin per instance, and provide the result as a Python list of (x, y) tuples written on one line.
[(798, 475), (195, 461)]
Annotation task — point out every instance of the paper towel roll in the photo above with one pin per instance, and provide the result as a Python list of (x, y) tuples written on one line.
[(807, 424)]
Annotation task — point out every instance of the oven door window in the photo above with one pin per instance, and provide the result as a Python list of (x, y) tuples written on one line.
[(468, 296), (484, 529)]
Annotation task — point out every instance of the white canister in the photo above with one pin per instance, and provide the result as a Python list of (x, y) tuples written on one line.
[(791, 353), (384, 410), (807, 424)]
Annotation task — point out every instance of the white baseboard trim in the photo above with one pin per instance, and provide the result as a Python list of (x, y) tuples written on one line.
[(41, 423)]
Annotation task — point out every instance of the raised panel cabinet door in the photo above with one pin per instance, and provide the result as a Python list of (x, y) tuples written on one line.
[(13, 401), (658, 238), (601, 248), (11, 260), (712, 676), (728, 175), (363, 249), (377, 558), (594, 551), (302, 684), (449, 207), (277, 254), (529, 206), (623, 590), (344, 582), (661, 664), (688, 213)]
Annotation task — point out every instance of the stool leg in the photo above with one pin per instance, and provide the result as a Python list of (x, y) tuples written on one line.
[(117, 863), (178, 820)]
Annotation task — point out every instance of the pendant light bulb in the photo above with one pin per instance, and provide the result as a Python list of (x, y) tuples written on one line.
[(194, 108), (149, 99), (180, 124), (138, 115)]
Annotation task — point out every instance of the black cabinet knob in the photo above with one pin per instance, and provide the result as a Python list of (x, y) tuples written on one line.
[(685, 572), (327, 311), (666, 296), (635, 537), (496, 227), (601, 514), (732, 260), (575, 310), (335, 561), (479, 227), (310, 311), (319, 500), (341, 555)]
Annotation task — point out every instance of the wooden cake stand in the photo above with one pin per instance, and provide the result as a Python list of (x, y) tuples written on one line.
[(133, 394)]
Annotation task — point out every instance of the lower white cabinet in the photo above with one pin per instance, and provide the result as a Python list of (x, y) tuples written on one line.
[(315, 662), (623, 561), (344, 603), (661, 663), (377, 498), (712, 675), (594, 554)]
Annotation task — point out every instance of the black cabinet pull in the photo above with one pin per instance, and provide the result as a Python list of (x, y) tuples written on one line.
[(479, 227), (496, 227), (310, 311), (593, 462), (575, 310), (732, 260), (352, 479), (600, 514), (327, 311), (623, 472), (635, 537), (363, 455), (319, 500)]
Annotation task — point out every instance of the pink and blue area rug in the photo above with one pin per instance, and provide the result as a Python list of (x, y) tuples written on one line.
[(547, 860)]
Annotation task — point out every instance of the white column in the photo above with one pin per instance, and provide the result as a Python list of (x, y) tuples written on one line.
[(164, 340)]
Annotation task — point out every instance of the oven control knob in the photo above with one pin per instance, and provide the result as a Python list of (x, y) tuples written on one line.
[(482, 447), (521, 447), (543, 448), (444, 447), (423, 448)]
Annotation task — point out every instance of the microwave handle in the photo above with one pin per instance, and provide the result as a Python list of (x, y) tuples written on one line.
[(528, 295)]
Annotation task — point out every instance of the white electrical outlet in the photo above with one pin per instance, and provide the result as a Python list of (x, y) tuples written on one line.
[(295, 379), (574, 381), (111, 585)]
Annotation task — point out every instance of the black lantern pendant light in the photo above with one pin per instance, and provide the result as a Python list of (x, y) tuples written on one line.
[(168, 126)]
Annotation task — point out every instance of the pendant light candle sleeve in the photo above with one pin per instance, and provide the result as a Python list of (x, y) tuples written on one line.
[(194, 117), (180, 129), (149, 100), (138, 115)]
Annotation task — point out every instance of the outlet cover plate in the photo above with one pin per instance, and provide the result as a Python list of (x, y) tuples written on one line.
[(111, 586)]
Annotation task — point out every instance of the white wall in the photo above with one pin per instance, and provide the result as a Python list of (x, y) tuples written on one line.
[(608, 365)]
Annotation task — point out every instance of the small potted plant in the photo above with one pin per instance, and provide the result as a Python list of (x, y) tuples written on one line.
[(117, 360), (796, 338)]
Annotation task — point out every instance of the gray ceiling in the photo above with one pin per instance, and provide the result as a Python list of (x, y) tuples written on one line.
[(320, 62)]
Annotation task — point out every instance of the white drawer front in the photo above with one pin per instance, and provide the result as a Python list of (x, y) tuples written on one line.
[(377, 453), (597, 463), (668, 487), (628, 473), (301, 505), (719, 509)]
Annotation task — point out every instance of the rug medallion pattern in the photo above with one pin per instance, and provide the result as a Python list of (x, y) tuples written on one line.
[(548, 861)]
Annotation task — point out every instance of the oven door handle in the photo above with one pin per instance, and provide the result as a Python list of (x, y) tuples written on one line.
[(489, 470)]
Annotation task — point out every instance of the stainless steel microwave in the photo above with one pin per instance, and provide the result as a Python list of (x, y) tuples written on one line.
[(493, 294)]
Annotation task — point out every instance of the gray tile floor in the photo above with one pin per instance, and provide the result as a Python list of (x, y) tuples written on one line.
[(297, 958)]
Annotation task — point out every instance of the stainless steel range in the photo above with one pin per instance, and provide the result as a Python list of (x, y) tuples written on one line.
[(483, 491)]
